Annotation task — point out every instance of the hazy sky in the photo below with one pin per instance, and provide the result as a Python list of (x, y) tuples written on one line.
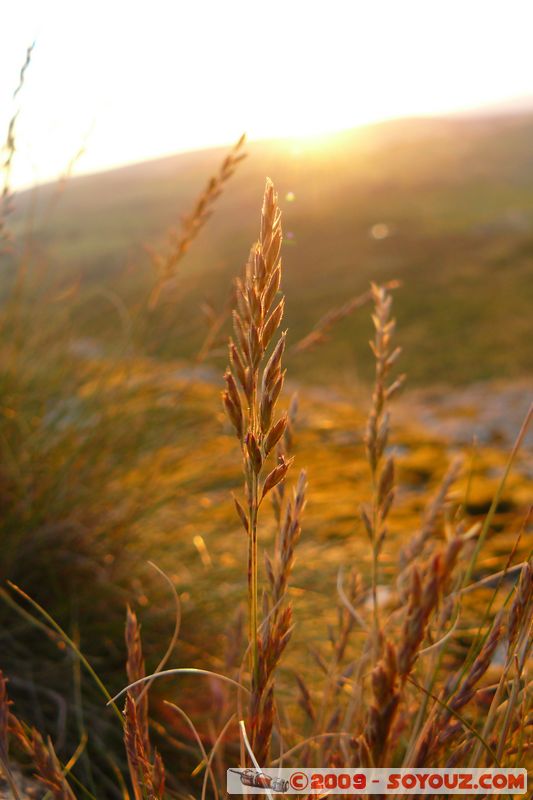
[(133, 80)]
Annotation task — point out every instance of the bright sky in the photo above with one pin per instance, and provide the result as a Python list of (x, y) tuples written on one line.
[(132, 80)]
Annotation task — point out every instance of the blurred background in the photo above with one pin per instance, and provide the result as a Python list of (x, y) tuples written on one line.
[(398, 136), (400, 139)]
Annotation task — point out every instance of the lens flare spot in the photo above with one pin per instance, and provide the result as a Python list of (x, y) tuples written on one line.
[(380, 231)]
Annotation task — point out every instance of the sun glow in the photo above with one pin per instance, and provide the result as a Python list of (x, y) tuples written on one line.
[(127, 81)]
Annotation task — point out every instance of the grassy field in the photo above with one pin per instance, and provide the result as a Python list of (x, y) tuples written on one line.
[(137, 464), (116, 450), (161, 452), (452, 197)]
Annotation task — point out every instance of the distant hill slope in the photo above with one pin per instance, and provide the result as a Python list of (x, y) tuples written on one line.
[(446, 205)]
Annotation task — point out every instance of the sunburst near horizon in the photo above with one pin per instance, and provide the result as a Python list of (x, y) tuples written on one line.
[(128, 83)]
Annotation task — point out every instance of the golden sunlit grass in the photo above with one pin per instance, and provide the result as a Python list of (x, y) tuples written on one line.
[(394, 658)]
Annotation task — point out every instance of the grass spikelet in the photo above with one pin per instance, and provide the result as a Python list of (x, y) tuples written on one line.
[(147, 774), (135, 670), (425, 591), (166, 263), (277, 618), (251, 393), (276, 631), (48, 767), (386, 697), (44, 760), (287, 540), (254, 381), (376, 439), (147, 778)]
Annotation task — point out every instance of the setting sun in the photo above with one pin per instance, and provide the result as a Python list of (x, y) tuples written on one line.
[(190, 75)]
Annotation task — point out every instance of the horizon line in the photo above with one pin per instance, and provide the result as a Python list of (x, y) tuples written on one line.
[(500, 110)]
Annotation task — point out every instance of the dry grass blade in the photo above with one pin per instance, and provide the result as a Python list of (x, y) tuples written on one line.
[(489, 580), (317, 737), (212, 754), (518, 625), (431, 648), (198, 740), (178, 671), (177, 624), (251, 753), (497, 496)]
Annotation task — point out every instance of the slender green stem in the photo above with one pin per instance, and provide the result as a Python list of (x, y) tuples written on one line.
[(375, 598), (51, 621), (253, 575), (375, 567), (253, 489)]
